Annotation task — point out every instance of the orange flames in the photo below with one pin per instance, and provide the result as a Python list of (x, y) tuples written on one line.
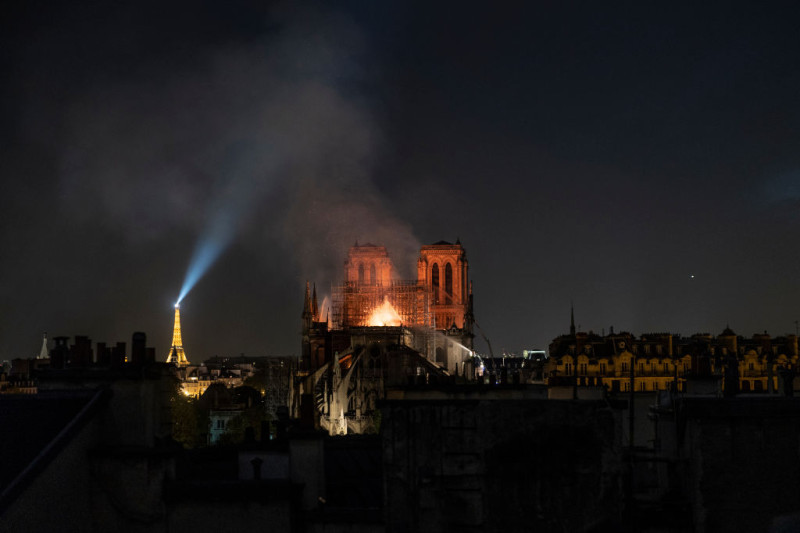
[(385, 315)]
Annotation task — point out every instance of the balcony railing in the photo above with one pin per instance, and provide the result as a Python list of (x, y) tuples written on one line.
[(613, 373)]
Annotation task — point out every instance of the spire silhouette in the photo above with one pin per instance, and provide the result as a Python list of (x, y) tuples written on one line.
[(307, 303), (571, 319), (314, 305)]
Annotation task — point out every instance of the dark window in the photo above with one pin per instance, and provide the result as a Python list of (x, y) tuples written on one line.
[(361, 273), (372, 276), (435, 283), (448, 283)]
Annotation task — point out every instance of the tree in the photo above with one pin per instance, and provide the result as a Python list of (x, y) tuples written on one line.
[(237, 426), (189, 421)]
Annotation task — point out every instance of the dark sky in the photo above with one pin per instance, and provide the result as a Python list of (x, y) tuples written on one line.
[(640, 160)]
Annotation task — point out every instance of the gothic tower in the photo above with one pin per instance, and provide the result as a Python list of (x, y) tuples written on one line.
[(368, 264), (442, 268), (314, 306), (176, 354)]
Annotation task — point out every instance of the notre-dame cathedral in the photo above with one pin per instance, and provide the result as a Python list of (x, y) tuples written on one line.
[(379, 331)]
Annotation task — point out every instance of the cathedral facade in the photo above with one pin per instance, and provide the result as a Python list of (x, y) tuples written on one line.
[(380, 330)]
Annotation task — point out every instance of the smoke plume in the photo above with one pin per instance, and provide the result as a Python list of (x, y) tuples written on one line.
[(268, 134)]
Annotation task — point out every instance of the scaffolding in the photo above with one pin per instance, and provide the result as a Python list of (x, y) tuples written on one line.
[(353, 302)]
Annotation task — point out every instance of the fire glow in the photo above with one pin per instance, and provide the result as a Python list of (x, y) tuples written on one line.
[(385, 315)]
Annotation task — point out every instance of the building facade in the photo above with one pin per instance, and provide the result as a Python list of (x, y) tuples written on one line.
[(665, 361)]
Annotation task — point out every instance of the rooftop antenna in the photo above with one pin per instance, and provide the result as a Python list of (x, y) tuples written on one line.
[(571, 318)]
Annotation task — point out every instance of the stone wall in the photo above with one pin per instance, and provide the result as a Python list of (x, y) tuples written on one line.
[(743, 468), (501, 465)]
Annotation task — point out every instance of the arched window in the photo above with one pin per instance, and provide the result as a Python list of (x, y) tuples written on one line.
[(435, 283), (372, 276), (361, 273), (448, 283)]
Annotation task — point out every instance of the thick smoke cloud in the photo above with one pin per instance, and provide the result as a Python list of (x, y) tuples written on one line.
[(264, 144), (265, 134)]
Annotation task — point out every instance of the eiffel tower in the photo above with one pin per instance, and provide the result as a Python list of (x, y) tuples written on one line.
[(176, 354)]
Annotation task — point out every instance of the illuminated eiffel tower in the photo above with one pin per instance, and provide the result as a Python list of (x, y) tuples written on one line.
[(176, 354)]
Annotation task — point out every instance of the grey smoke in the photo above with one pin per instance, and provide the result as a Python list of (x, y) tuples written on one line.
[(266, 130)]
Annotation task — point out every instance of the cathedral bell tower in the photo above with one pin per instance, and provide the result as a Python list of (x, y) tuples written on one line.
[(443, 269)]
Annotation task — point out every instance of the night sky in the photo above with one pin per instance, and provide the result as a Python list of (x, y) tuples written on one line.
[(639, 160)]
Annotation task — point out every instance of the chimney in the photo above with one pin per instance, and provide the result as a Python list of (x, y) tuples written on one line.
[(138, 348), (59, 355), (118, 355), (81, 354)]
